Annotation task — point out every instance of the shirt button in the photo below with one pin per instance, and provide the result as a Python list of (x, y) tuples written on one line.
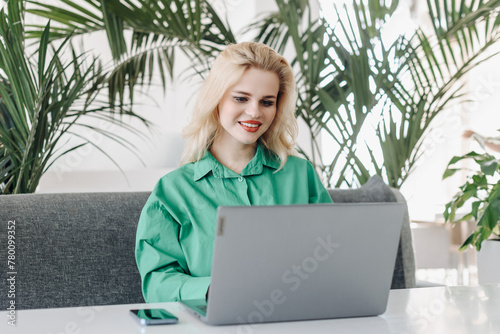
[(240, 179)]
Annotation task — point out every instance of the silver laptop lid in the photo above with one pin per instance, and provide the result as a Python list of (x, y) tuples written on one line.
[(281, 263)]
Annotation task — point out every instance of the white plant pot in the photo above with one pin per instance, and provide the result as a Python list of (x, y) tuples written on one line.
[(488, 262)]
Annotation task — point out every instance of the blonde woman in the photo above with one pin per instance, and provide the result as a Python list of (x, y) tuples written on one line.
[(239, 151)]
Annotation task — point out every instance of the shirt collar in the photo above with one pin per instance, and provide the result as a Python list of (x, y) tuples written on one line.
[(263, 157)]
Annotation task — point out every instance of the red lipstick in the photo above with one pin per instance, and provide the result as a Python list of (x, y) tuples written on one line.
[(250, 126)]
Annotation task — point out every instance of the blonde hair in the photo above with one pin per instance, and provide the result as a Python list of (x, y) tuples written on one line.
[(226, 71)]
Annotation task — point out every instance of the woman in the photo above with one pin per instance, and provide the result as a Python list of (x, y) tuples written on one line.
[(239, 152)]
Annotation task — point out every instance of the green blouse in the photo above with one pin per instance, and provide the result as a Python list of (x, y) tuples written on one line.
[(176, 231)]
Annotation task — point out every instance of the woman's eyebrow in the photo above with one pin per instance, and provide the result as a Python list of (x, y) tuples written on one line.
[(242, 93), (248, 94)]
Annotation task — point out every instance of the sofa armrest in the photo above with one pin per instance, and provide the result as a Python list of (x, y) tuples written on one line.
[(375, 190), (406, 245), (73, 249)]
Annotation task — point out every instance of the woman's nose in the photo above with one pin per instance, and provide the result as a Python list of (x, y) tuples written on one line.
[(253, 110)]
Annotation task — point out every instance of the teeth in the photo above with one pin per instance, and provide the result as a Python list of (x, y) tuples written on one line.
[(249, 125)]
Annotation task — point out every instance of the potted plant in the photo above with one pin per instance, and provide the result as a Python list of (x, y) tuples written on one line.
[(479, 197), (44, 97)]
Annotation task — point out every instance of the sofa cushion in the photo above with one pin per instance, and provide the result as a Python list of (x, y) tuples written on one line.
[(72, 249)]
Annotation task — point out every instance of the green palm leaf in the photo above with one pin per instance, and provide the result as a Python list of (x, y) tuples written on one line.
[(334, 71), (436, 63), (157, 29), (41, 101)]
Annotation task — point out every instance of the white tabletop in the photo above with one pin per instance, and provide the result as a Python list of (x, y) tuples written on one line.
[(442, 310)]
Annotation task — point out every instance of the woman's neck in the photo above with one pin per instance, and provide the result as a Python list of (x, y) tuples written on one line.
[(233, 157)]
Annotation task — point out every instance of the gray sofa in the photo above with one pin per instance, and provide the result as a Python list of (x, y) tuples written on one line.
[(78, 249)]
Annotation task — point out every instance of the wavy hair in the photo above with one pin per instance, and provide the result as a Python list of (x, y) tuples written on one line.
[(226, 71)]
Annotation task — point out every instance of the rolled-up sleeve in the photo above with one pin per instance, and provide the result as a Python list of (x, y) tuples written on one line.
[(161, 262)]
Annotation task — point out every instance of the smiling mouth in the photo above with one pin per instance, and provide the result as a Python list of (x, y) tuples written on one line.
[(250, 126)]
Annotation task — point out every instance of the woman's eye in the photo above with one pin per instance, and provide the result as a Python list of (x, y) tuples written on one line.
[(240, 99), (267, 103)]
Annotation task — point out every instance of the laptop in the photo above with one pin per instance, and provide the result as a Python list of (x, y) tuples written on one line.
[(301, 262)]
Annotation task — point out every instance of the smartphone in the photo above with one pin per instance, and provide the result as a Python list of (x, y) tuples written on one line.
[(156, 316)]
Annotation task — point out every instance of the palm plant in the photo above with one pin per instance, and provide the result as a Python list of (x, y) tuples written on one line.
[(334, 72), (143, 36), (42, 99), (435, 64), (347, 74)]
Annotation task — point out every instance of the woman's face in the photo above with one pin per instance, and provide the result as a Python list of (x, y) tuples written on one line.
[(247, 109)]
